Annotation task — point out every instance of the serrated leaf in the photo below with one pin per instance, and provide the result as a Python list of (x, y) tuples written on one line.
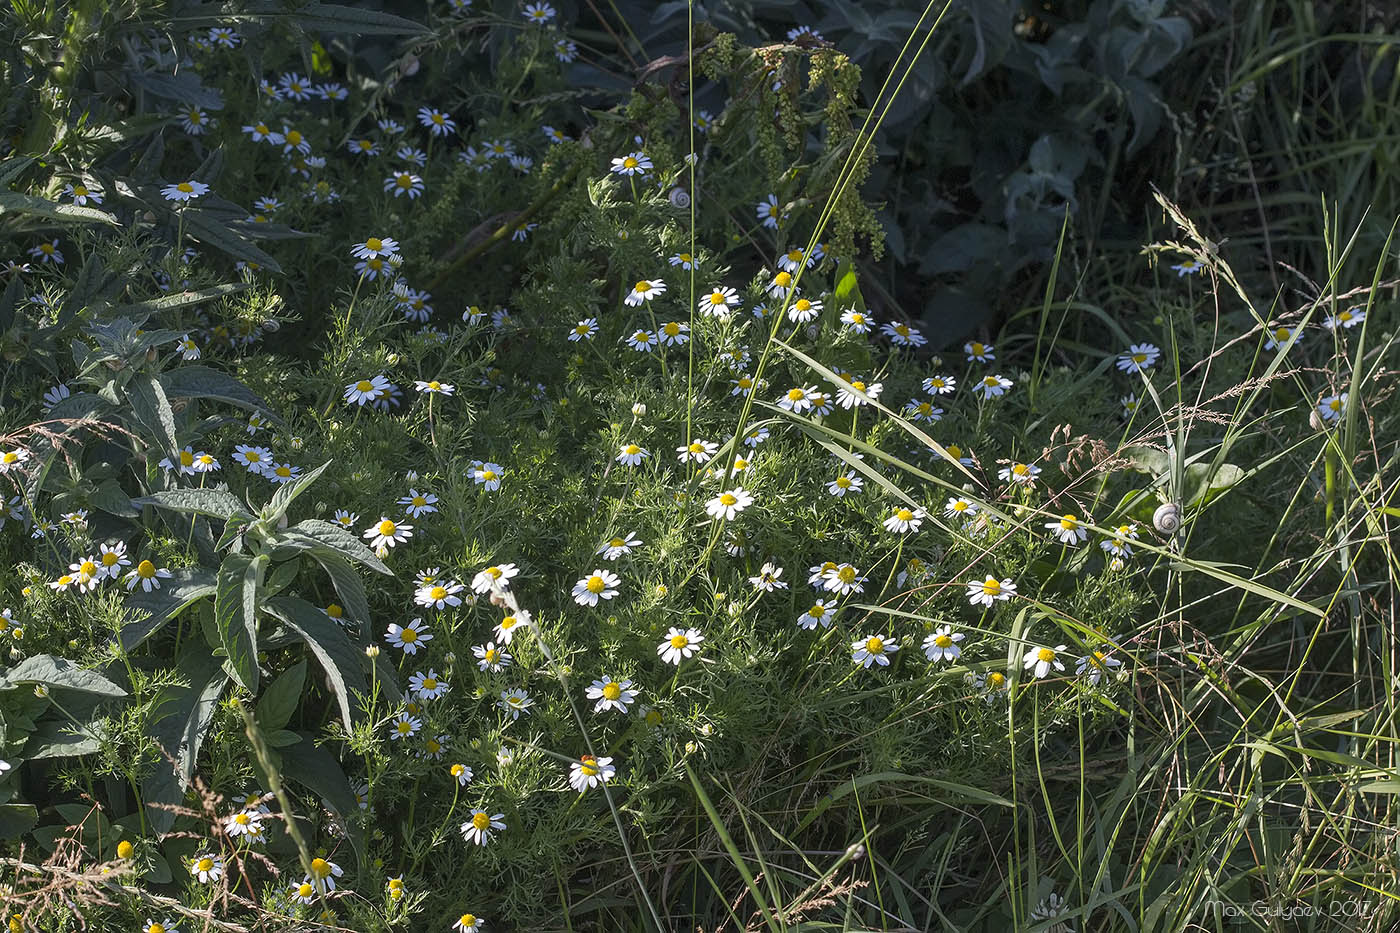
[(280, 699), (212, 231), (184, 587), (335, 18), (287, 493), (58, 673), (337, 538), (338, 656), (153, 412), (12, 202), (203, 382), (11, 167), (181, 717), (215, 503), (235, 615)]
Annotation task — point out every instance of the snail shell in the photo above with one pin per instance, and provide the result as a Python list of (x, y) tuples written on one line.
[(1167, 518), (679, 198)]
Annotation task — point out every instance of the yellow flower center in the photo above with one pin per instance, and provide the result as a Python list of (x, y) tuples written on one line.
[(508, 623), (1045, 654), (467, 921), (283, 471), (430, 683), (631, 449), (728, 499), (374, 244), (488, 474), (904, 515), (782, 280), (409, 635), (293, 138), (943, 641), (846, 574), (588, 766), (629, 162), (334, 611), (87, 569), (80, 190), (995, 679), (146, 569), (491, 656), (875, 645), (480, 820), (1139, 357), (679, 641), (438, 592), (611, 691), (243, 819), (404, 726), (802, 304), (672, 329), (364, 385), (1020, 469), (596, 584), (405, 181), (204, 864), (1069, 523), (387, 527), (184, 187), (954, 451), (305, 889)]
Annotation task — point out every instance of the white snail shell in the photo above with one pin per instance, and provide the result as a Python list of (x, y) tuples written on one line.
[(679, 197), (1167, 518)]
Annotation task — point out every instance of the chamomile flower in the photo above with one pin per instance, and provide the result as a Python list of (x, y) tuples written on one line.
[(783, 282), (1039, 660), (1097, 665), (47, 252), (433, 387), (160, 926), (855, 393), (1138, 357), (979, 352), (496, 574), (804, 311), (515, 703), (1188, 267), (1278, 337), (436, 122), (479, 827), (942, 645), (183, 191), (684, 260), (842, 579), (586, 329), (940, 385), (1332, 407), (797, 399), (679, 644), (111, 558), (993, 386), (729, 503), (404, 183), (1069, 530), (600, 584), (958, 507), (1130, 403), (189, 350), (52, 397), (990, 590), (461, 774), (281, 473), (1346, 319), (674, 334), (323, 875), (768, 578), (82, 195), (346, 519), (644, 290), (404, 726), (508, 626), (208, 867), (13, 459), (845, 484), (902, 335), (539, 13), (409, 638), (588, 772), (376, 248), (858, 321), (148, 575), (1019, 474), (697, 450), (427, 686), (439, 595), (769, 211), (821, 613), (617, 547), (755, 437), (642, 341), (469, 923), (611, 694), (244, 822), (1120, 544), (634, 163), (186, 459), (874, 649), (417, 504), (904, 520), (387, 533), (491, 658), (366, 390), (922, 410)]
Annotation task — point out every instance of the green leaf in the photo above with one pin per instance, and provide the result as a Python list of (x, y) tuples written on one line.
[(109, 497), (950, 788), (1201, 483), (171, 302), (279, 700), (59, 673), (181, 717), (186, 87), (847, 291), (212, 231), (215, 503), (287, 493), (335, 18), (59, 738), (203, 382), (16, 819), (330, 535), (281, 738), (184, 587), (12, 202), (235, 615), (332, 647), (316, 769), (348, 585), (153, 413)]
